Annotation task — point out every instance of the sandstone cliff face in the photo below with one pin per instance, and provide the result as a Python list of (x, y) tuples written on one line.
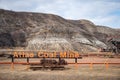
[(37, 31)]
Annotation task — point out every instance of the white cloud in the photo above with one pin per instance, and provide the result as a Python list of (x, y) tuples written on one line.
[(101, 12)]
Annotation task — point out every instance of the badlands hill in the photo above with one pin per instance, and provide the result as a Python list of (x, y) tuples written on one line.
[(38, 31)]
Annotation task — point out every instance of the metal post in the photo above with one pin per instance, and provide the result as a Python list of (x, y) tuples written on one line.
[(27, 59), (12, 63), (75, 60), (59, 60), (44, 61), (76, 65), (12, 59), (27, 63)]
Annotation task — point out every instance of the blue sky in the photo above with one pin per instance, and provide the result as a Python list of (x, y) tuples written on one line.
[(101, 12)]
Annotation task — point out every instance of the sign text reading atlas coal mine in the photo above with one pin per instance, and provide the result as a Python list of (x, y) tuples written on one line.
[(22, 54)]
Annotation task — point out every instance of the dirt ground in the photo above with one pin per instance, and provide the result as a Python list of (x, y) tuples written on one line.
[(71, 72)]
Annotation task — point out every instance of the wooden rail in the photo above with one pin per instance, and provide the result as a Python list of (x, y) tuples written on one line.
[(76, 64), (67, 63)]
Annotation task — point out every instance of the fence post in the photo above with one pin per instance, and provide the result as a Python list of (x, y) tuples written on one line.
[(91, 65), (106, 65)]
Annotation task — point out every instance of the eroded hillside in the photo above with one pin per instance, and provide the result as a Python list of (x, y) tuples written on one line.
[(38, 31)]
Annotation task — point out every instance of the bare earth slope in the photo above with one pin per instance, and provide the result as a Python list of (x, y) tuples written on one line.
[(51, 32)]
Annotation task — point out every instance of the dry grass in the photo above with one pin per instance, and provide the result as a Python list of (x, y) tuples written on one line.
[(81, 73)]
